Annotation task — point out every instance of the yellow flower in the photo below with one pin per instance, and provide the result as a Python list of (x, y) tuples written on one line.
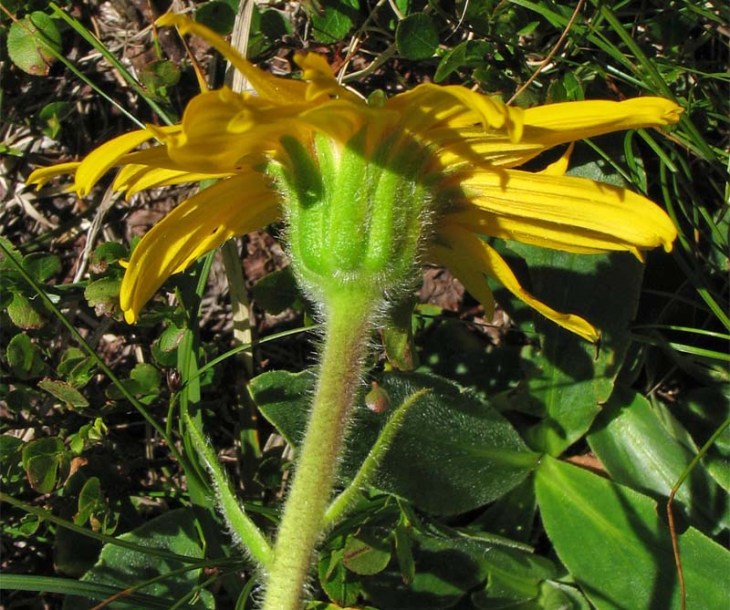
[(469, 149)]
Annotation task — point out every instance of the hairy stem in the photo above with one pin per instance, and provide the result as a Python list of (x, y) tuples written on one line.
[(347, 329), (243, 529)]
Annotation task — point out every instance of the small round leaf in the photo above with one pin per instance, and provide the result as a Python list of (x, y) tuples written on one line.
[(33, 43)]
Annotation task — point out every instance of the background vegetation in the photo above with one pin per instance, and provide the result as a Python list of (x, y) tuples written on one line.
[(532, 471)]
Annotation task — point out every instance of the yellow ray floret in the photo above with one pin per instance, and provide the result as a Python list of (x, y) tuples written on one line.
[(196, 226)]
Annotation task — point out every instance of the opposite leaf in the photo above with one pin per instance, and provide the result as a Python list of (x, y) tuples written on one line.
[(452, 453)]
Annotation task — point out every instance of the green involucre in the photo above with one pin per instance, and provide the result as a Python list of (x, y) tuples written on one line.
[(354, 219)]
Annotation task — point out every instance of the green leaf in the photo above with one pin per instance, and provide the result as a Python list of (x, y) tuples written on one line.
[(42, 266), (417, 36), (88, 433), (473, 54), (53, 115), (24, 357), (704, 410), (91, 499), (277, 291), (445, 569), (157, 77), (6, 263), (451, 62), (171, 338), (76, 367), (9, 448), (515, 577), (104, 291), (175, 532), (105, 254), (569, 378), (29, 41), (65, 392), (274, 25), (367, 552), (43, 458), (147, 376), (398, 336), (164, 350), (217, 15), (513, 515), (451, 349), (144, 382), (452, 453), (283, 399), (338, 583), (640, 450), (333, 20), (22, 312), (618, 549)]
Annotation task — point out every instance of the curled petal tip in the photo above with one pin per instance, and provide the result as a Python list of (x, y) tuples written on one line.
[(130, 316), (673, 114)]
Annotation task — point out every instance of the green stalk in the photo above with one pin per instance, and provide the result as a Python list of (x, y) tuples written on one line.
[(347, 330)]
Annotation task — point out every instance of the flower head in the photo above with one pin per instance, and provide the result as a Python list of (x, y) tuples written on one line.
[(371, 187)]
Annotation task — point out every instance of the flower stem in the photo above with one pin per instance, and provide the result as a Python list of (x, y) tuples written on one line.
[(347, 329)]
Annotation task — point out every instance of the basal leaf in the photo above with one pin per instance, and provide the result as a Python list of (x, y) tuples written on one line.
[(453, 452), (615, 545)]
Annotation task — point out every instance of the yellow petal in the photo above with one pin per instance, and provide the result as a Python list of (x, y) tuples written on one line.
[(586, 119), (103, 158), (565, 213), (135, 178), (551, 125), (429, 107), (321, 83), (476, 259), (559, 167), (230, 208), (267, 85), (43, 174), (220, 128), (156, 156), (341, 120)]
